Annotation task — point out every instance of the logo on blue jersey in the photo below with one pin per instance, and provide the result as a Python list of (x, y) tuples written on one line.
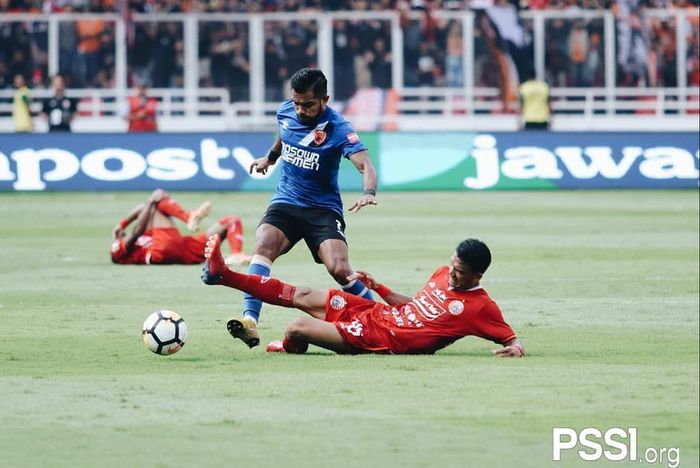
[(300, 157), (317, 135)]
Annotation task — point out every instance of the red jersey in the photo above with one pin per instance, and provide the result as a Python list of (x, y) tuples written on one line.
[(148, 123), (139, 254), (434, 318), (161, 245)]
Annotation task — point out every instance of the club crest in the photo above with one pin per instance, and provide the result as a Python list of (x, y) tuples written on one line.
[(337, 302), (319, 137), (456, 307)]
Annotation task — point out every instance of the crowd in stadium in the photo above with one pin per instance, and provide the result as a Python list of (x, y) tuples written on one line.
[(433, 54), (254, 6)]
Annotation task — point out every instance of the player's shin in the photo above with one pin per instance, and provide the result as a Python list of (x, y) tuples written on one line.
[(266, 289), (251, 304)]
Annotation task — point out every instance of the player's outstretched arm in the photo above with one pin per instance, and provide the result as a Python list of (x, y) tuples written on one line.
[(261, 165), (369, 174), (511, 348), (389, 296)]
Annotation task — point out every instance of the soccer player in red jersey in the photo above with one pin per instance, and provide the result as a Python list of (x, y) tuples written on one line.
[(451, 305), (155, 239)]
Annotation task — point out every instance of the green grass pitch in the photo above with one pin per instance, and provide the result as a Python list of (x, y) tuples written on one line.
[(602, 287)]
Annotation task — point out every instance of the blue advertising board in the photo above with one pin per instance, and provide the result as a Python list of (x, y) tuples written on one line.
[(537, 160), (131, 161), (405, 161)]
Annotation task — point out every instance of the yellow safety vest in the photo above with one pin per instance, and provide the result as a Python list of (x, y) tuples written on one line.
[(20, 110), (535, 101)]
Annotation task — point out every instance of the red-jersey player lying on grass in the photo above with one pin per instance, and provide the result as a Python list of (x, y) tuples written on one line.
[(450, 306), (155, 239)]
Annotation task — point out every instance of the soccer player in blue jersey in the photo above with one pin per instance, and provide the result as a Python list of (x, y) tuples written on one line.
[(311, 141)]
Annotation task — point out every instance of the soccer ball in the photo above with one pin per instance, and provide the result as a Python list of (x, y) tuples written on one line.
[(164, 332)]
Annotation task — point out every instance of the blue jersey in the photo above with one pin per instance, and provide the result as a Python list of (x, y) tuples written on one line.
[(311, 157)]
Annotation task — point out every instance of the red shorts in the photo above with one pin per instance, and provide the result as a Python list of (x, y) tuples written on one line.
[(354, 317), (169, 246)]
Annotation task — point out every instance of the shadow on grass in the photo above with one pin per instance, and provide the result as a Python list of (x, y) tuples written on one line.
[(441, 355)]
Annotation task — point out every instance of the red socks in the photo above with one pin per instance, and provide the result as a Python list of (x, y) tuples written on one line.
[(170, 207), (269, 290), (234, 232)]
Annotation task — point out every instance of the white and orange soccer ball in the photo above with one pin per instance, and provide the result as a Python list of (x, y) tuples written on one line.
[(164, 332)]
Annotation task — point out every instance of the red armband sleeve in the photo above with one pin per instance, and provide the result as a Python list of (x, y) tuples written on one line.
[(382, 290)]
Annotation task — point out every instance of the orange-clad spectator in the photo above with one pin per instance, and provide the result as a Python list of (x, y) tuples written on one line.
[(142, 112), (89, 32)]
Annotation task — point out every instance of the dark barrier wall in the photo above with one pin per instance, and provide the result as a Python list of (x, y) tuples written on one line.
[(405, 161)]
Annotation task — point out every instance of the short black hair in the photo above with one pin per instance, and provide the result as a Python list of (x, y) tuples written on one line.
[(474, 253), (310, 79)]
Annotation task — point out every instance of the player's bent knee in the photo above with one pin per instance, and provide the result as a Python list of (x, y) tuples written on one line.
[(302, 295), (340, 271), (299, 328), (311, 301), (266, 248)]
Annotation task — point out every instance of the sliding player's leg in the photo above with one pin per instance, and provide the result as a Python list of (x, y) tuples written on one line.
[(303, 331), (269, 290)]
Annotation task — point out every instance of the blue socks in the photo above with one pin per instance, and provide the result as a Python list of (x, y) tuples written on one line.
[(358, 288), (251, 304)]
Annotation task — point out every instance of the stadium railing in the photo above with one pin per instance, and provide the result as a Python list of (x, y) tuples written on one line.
[(574, 109), (208, 109), (470, 106), (101, 110)]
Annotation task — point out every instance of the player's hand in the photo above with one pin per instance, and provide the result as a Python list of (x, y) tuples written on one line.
[(367, 199), (260, 165), (365, 277), (117, 232), (509, 351)]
